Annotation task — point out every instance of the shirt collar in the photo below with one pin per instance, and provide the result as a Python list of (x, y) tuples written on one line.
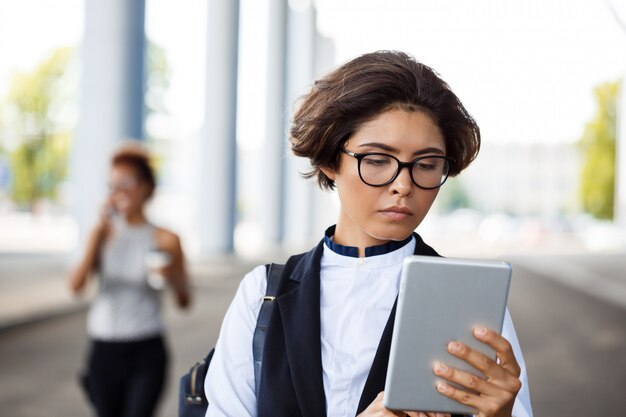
[(353, 252)]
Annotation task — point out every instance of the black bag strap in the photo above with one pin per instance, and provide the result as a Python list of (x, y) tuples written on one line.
[(274, 272), (194, 391)]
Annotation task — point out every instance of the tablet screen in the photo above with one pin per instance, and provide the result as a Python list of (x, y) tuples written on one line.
[(440, 300)]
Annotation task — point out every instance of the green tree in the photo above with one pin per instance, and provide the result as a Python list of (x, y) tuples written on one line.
[(38, 108), (36, 121), (157, 84), (598, 147), (157, 79)]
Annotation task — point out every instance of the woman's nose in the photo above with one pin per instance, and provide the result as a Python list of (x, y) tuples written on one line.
[(403, 184)]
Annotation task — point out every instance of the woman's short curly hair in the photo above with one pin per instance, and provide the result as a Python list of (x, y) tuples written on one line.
[(338, 103), (135, 155)]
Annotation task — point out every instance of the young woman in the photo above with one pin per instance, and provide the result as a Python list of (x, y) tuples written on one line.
[(386, 132), (128, 358)]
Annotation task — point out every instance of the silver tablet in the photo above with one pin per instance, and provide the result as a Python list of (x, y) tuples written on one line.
[(440, 300)]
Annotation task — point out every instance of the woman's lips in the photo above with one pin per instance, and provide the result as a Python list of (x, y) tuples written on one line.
[(396, 213)]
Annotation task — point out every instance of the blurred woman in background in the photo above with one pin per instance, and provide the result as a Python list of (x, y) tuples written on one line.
[(134, 261)]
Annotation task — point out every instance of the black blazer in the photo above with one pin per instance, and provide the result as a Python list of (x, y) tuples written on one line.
[(291, 379)]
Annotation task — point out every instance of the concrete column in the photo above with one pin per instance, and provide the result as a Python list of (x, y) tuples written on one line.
[(275, 149), (298, 198), (325, 203), (218, 147), (111, 102), (308, 210)]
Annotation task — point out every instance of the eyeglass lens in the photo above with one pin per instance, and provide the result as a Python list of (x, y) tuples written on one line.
[(428, 172)]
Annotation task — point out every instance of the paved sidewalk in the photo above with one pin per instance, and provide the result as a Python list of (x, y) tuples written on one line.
[(33, 287), (602, 275)]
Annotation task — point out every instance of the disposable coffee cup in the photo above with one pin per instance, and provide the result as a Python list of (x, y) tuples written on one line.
[(154, 261)]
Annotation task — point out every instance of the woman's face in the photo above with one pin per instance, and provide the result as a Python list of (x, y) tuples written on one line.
[(127, 193), (372, 216)]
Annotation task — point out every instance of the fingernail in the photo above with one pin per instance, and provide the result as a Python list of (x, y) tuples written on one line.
[(454, 347), (441, 387), (441, 368), (480, 331)]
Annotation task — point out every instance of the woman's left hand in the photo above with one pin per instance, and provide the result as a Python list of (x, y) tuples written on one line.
[(494, 395), (174, 272)]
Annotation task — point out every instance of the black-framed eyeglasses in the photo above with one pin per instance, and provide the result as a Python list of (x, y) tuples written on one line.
[(379, 169)]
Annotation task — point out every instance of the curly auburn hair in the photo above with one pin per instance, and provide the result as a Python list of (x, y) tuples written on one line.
[(361, 89)]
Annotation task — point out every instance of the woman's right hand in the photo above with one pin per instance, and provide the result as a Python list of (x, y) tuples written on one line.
[(104, 220), (377, 409), (78, 277)]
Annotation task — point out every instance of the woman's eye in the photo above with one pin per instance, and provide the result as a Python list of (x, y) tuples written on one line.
[(377, 162), (429, 164), (424, 167)]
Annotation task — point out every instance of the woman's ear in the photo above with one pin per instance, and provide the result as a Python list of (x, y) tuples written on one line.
[(329, 172)]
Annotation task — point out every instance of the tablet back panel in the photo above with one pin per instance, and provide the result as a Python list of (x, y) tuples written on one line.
[(441, 300)]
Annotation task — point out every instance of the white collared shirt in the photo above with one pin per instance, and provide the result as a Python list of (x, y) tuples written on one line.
[(356, 298)]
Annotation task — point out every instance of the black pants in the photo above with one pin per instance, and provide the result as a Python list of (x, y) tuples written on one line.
[(125, 379)]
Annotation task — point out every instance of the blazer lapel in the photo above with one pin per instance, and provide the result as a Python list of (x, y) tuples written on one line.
[(300, 316)]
